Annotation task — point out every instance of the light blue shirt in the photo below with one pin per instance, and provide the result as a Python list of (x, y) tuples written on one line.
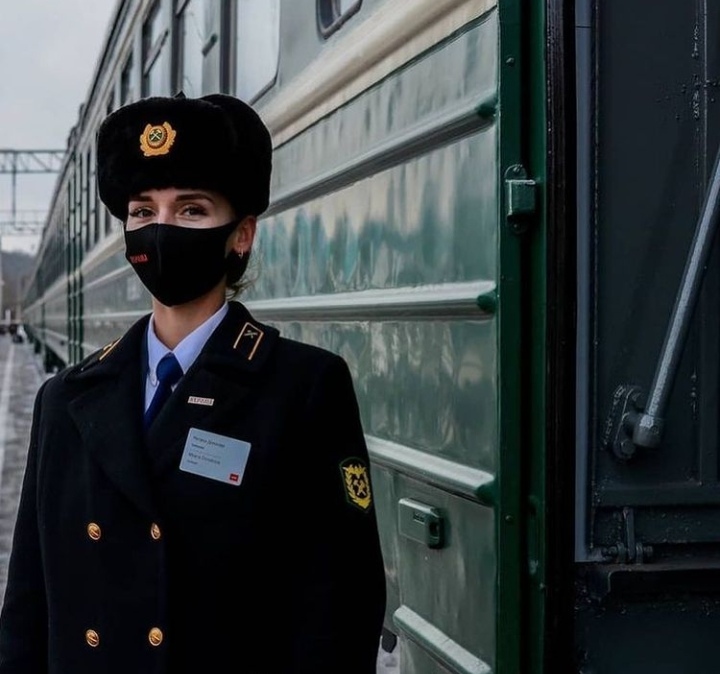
[(186, 351)]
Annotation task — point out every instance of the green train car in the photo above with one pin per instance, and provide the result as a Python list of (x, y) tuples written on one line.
[(501, 213)]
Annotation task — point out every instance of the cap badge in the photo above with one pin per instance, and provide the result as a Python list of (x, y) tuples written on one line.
[(357, 483), (157, 139)]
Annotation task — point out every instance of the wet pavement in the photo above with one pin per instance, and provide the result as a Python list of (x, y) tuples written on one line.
[(20, 377)]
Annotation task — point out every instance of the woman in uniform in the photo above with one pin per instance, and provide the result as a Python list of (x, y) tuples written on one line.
[(197, 496)]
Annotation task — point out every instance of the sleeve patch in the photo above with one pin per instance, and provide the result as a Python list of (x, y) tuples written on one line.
[(356, 481)]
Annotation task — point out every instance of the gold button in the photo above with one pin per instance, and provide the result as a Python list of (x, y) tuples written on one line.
[(92, 638), (155, 636), (93, 530), (155, 531)]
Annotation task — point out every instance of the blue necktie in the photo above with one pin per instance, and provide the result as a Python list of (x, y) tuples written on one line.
[(168, 373)]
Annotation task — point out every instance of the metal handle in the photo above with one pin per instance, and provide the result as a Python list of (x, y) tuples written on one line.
[(643, 426)]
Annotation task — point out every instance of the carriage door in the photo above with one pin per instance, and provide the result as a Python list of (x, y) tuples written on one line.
[(648, 547)]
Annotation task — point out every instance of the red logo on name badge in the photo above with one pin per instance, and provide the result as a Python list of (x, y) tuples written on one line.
[(136, 259), (234, 477)]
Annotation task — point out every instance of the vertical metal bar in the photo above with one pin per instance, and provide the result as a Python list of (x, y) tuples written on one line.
[(648, 426), (584, 88), (512, 378), (708, 458), (13, 202), (13, 215)]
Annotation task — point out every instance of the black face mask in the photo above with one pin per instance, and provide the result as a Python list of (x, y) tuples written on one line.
[(179, 264)]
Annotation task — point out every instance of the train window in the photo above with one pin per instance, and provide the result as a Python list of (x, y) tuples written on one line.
[(92, 196), (81, 189), (73, 222), (332, 14), (191, 37), (127, 93), (67, 217), (107, 217), (211, 48), (257, 43), (102, 212), (155, 53)]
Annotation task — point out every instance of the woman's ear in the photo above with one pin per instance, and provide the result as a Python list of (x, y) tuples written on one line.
[(244, 235)]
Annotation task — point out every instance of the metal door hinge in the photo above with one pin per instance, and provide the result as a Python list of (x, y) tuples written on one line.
[(521, 198), (631, 550)]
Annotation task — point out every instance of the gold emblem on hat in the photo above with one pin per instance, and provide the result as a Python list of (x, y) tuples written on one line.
[(157, 139), (357, 483)]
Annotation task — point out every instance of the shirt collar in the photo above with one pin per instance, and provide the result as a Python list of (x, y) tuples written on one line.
[(189, 347)]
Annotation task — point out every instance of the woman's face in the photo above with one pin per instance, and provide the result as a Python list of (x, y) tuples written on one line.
[(202, 209)]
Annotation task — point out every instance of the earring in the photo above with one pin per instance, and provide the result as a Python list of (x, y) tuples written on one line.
[(241, 254)]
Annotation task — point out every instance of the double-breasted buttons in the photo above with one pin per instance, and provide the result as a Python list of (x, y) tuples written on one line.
[(155, 636), (155, 531), (92, 638), (94, 531)]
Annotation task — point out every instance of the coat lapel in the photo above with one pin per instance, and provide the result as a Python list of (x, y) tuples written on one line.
[(220, 382), (107, 411)]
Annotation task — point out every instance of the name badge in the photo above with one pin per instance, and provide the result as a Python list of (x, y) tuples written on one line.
[(217, 457)]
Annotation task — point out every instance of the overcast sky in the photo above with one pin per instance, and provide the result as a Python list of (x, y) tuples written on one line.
[(48, 54)]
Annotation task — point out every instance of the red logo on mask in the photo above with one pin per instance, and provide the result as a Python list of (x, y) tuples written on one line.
[(137, 259)]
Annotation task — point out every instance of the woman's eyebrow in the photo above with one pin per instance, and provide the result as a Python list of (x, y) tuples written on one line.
[(186, 196), (194, 196)]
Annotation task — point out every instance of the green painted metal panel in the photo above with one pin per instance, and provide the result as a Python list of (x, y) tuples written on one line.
[(534, 498), (427, 384), (521, 288), (429, 220), (440, 394), (110, 264)]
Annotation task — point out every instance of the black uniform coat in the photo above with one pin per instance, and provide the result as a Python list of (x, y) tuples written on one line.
[(123, 563)]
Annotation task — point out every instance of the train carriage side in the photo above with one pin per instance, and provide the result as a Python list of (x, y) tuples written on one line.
[(394, 238), (45, 311)]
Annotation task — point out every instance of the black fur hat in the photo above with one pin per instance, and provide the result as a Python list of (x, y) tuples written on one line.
[(216, 142)]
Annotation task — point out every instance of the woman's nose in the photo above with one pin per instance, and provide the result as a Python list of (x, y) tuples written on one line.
[(166, 215)]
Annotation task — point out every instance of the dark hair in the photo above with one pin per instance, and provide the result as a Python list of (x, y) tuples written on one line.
[(239, 282)]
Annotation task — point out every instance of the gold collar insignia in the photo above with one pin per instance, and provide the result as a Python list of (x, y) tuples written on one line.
[(107, 349), (248, 340)]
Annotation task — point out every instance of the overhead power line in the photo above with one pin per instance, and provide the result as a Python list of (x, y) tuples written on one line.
[(22, 222), (31, 161)]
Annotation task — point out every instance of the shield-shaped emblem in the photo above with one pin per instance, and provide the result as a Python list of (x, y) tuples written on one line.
[(357, 483)]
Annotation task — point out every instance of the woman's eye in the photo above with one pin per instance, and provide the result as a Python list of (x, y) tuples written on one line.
[(194, 210), (140, 212)]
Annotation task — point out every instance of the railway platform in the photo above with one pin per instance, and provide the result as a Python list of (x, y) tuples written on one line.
[(21, 374), (20, 377)]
